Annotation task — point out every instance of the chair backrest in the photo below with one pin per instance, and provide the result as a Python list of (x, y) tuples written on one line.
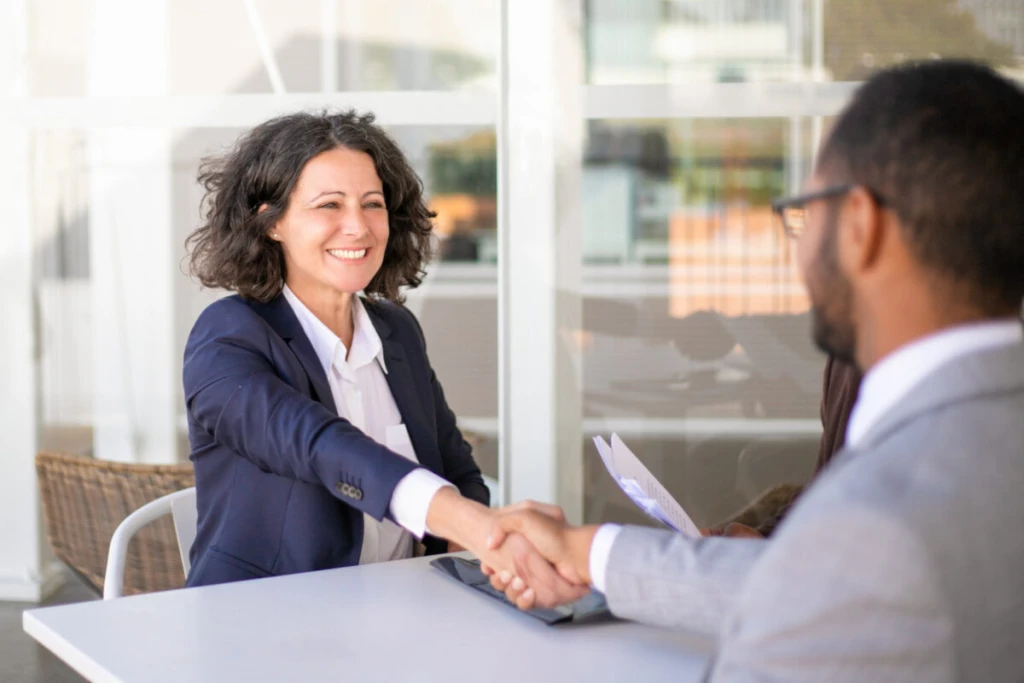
[(84, 500), (186, 520), (181, 505)]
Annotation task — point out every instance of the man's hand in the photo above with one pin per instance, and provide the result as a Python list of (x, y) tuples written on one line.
[(564, 547)]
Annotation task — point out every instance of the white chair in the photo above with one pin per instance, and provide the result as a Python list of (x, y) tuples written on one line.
[(181, 505)]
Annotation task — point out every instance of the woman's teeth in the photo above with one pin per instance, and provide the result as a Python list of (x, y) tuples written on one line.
[(350, 254)]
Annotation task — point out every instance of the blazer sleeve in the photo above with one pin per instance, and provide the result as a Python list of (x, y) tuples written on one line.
[(659, 577), (846, 594), (456, 455), (233, 392)]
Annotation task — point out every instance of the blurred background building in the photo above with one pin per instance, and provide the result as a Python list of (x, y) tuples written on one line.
[(601, 170)]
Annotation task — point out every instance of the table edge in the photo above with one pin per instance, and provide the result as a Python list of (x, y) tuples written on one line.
[(65, 651)]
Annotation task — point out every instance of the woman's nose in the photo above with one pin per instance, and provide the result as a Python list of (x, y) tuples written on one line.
[(353, 223)]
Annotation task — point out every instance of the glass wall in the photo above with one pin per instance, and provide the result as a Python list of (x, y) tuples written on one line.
[(185, 82), (693, 345), (696, 346)]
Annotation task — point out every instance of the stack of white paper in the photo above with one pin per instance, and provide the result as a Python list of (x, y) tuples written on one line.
[(642, 487)]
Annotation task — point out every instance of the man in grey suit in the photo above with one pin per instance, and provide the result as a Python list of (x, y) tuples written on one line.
[(904, 560)]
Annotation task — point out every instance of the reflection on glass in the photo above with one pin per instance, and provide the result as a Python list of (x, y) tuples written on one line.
[(696, 346), (659, 41), (462, 180), (866, 35)]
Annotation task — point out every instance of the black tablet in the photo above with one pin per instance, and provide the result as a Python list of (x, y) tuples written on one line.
[(468, 572)]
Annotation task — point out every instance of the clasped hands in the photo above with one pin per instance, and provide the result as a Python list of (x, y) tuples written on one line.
[(550, 558), (528, 549)]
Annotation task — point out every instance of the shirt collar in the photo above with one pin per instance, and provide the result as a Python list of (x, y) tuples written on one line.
[(892, 378), (366, 344)]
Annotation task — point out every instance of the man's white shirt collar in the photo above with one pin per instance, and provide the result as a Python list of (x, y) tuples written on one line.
[(892, 378)]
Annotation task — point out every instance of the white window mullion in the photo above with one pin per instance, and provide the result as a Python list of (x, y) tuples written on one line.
[(540, 156)]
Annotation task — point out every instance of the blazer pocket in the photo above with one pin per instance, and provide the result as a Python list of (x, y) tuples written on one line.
[(238, 563), (397, 440)]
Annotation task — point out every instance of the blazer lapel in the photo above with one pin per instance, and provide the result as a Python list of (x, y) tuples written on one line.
[(403, 390), (280, 316)]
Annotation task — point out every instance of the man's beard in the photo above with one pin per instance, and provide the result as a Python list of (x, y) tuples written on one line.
[(832, 300)]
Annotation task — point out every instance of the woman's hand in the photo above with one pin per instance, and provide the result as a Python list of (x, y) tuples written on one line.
[(559, 547), (553, 511)]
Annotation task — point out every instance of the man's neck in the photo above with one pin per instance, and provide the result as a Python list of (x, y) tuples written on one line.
[(904, 320)]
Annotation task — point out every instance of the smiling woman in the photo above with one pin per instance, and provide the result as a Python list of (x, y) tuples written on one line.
[(319, 433), (249, 191), (333, 234)]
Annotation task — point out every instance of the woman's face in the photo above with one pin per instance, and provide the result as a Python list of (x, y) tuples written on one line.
[(335, 229)]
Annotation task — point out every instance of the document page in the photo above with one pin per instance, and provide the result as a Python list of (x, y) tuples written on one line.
[(642, 487)]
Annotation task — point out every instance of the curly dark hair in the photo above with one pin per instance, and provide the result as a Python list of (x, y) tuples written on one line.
[(232, 250)]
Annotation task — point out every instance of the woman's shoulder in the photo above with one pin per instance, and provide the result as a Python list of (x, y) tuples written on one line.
[(226, 307), (232, 315)]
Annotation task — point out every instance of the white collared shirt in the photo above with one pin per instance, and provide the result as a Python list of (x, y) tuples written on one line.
[(893, 377), (362, 396), (885, 385)]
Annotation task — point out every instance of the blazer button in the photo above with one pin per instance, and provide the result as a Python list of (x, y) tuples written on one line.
[(340, 487), (357, 494)]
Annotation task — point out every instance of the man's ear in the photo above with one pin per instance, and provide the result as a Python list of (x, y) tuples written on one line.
[(862, 227)]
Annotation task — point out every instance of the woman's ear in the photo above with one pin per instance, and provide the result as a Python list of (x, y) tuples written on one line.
[(272, 232)]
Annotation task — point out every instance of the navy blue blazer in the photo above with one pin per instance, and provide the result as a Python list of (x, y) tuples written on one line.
[(282, 482)]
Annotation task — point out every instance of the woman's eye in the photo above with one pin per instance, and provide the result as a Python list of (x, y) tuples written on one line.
[(374, 205), (329, 205)]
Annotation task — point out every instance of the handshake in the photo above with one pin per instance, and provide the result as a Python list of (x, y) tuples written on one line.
[(538, 560), (528, 549), (535, 557)]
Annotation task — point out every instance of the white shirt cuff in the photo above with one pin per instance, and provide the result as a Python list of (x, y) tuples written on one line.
[(600, 550), (411, 500)]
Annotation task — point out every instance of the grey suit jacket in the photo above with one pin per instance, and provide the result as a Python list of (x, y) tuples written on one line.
[(903, 562)]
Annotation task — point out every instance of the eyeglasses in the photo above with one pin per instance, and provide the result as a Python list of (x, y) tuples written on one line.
[(792, 211)]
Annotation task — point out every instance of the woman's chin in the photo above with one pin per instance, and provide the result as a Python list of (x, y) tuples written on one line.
[(349, 285)]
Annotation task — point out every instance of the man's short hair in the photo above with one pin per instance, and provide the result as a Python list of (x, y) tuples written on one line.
[(942, 144)]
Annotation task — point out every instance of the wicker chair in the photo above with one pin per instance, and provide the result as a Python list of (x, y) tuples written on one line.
[(85, 499)]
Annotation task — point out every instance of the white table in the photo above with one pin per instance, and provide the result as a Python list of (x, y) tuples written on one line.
[(400, 621)]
